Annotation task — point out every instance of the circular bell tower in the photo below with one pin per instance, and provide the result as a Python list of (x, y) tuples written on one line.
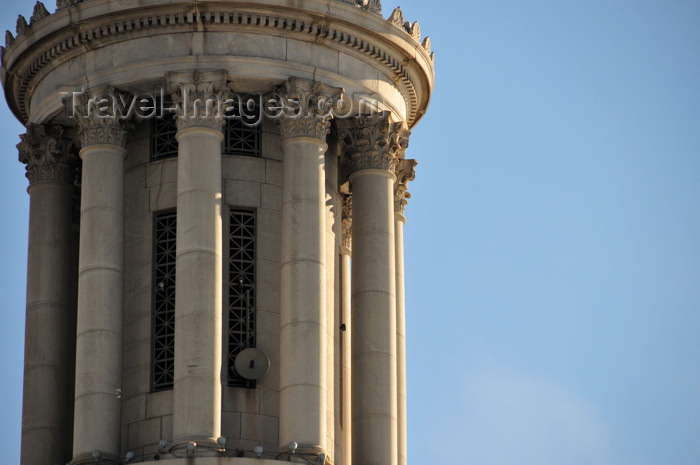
[(215, 264)]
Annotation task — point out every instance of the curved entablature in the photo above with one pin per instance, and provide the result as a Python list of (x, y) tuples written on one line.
[(374, 6), (49, 53)]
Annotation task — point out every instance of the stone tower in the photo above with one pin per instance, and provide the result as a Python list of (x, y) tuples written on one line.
[(200, 175)]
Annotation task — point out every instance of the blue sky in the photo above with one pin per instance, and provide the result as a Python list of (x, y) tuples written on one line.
[(552, 243)]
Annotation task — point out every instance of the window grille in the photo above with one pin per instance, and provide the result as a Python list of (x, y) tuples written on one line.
[(242, 131), (241, 290), (242, 134), (163, 328), (240, 139), (163, 131)]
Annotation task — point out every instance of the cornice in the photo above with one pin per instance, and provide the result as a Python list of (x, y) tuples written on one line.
[(97, 23), (373, 6)]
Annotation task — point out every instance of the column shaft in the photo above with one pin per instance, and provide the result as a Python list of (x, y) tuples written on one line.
[(304, 312), (332, 208), (303, 337), (374, 419), (100, 303), (198, 306), (400, 339), (405, 172), (345, 271), (47, 400), (346, 320)]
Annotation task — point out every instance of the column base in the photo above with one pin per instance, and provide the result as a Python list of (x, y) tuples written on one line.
[(196, 447), (221, 461), (89, 459), (304, 453)]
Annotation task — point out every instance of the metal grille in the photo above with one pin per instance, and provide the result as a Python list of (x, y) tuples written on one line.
[(163, 131), (163, 335), (242, 134), (241, 139), (241, 290)]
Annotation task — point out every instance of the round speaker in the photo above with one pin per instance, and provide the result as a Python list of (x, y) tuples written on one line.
[(252, 363)]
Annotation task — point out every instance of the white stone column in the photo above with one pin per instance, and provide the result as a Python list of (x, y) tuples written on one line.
[(332, 208), (47, 413), (303, 314), (346, 320), (405, 172), (372, 147), (198, 305), (98, 370)]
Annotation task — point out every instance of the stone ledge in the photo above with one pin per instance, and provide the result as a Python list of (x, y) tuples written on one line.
[(169, 460)]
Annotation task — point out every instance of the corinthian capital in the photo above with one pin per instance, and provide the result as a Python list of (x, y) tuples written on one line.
[(405, 172), (46, 153), (199, 97), (372, 142), (306, 108), (100, 120)]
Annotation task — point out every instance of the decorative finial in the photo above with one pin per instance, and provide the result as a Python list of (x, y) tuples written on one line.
[(61, 4), (415, 31), (40, 12), (22, 25), (9, 39), (396, 17), (373, 6)]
